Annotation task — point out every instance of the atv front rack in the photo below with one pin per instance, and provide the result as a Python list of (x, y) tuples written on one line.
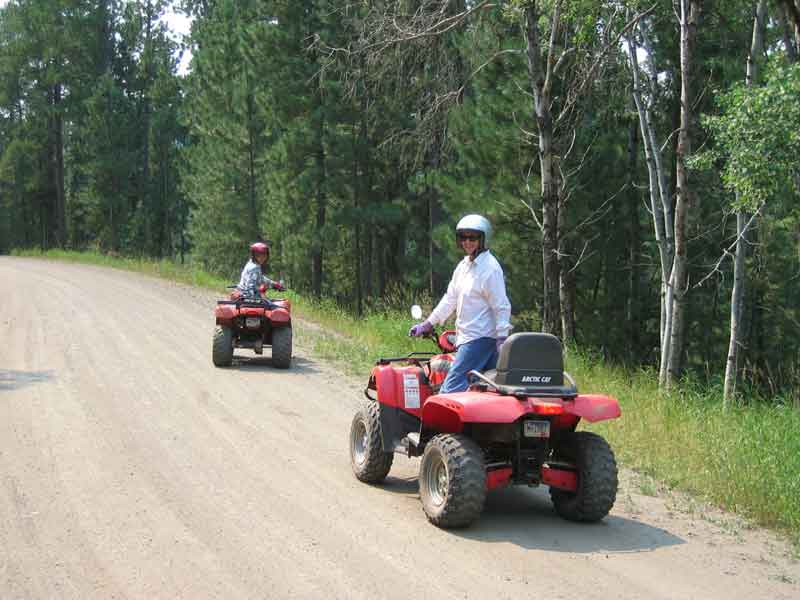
[(414, 356)]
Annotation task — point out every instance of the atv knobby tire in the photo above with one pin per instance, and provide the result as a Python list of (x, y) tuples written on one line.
[(370, 463), (282, 347), (452, 481), (222, 348), (597, 478)]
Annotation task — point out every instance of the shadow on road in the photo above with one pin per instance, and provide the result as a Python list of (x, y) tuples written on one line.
[(525, 517), (404, 486), (13, 380), (300, 365)]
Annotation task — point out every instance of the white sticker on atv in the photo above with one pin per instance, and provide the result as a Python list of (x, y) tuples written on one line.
[(411, 390)]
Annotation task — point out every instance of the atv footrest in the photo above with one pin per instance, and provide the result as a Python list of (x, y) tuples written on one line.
[(409, 445)]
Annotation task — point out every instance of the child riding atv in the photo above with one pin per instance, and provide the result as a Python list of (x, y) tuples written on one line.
[(253, 277), (249, 320)]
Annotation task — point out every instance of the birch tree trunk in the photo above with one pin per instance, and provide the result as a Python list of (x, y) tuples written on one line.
[(566, 291), (690, 11), (667, 216), (792, 10), (660, 203), (540, 79), (742, 221), (252, 142), (59, 203), (320, 172), (632, 309), (786, 35), (737, 307), (317, 255)]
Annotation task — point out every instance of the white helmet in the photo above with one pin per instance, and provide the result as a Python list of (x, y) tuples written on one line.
[(479, 224)]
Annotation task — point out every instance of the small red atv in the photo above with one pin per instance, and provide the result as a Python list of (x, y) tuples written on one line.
[(515, 425), (253, 323)]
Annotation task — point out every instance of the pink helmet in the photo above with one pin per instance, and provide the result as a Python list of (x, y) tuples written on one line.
[(259, 248)]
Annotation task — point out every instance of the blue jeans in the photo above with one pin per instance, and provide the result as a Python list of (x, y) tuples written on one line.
[(478, 355)]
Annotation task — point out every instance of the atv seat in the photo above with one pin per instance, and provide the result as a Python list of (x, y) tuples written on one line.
[(532, 364)]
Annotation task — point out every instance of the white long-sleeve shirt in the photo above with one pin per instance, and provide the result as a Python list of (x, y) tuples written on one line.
[(477, 292)]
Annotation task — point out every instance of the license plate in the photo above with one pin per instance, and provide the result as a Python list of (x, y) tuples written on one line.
[(252, 322), (536, 429)]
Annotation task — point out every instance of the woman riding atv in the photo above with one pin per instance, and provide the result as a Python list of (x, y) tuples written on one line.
[(477, 292)]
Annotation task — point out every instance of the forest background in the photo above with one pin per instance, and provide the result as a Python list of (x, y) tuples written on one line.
[(638, 160)]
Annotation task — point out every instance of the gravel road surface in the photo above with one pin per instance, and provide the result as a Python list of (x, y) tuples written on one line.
[(131, 467)]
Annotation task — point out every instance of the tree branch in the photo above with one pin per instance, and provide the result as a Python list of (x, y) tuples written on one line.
[(727, 251)]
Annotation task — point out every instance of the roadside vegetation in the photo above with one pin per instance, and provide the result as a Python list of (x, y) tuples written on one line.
[(745, 459)]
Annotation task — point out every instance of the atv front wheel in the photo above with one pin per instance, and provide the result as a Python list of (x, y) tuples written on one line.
[(452, 481), (370, 463), (282, 347), (597, 478), (222, 348)]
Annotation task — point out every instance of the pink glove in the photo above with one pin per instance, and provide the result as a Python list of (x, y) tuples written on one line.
[(499, 342), (420, 329), (277, 285)]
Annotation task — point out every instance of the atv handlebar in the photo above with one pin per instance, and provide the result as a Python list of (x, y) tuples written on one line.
[(446, 346), (432, 335)]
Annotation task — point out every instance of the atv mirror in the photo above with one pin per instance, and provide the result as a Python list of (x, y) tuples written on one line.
[(416, 311)]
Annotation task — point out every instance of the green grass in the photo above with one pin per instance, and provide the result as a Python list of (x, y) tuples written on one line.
[(746, 460)]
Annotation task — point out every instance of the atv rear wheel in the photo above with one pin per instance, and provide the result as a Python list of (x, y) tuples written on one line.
[(282, 347), (222, 348), (597, 478), (452, 481), (370, 463)]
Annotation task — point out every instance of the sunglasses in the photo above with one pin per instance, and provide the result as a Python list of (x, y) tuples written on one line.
[(468, 236)]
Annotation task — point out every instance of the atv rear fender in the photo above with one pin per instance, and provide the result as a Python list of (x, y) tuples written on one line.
[(279, 316), (225, 313), (448, 413)]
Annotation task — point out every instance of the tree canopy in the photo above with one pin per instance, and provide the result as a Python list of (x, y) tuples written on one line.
[(605, 141)]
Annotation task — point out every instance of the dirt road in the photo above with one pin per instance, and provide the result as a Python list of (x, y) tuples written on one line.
[(130, 467)]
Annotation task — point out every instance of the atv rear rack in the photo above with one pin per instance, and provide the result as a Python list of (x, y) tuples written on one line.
[(519, 391)]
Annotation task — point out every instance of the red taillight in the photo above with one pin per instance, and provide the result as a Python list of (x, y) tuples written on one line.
[(546, 408)]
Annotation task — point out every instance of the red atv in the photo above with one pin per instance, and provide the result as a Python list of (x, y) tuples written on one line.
[(253, 323), (515, 425)]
